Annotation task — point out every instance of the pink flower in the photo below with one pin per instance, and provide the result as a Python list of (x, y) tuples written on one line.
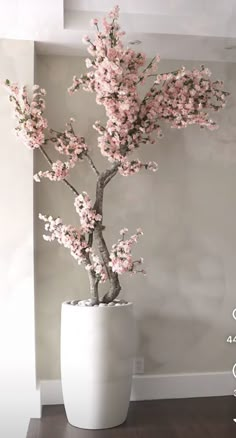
[(123, 231), (152, 165), (88, 63), (94, 22), (85, 39)]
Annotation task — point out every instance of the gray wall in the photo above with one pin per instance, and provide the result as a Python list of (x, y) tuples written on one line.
[(187, 212)]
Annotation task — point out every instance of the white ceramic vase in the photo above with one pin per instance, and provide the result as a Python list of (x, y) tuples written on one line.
[(97, 350)]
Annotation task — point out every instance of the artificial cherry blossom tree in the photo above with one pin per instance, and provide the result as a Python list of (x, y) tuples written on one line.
[(115, 74)]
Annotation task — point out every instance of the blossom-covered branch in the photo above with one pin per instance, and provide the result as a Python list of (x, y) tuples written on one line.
[(75, 240), (68, 143), (65, 181), (121, 256), (31, 127), (31, 123), (134, 166), (183, 98)]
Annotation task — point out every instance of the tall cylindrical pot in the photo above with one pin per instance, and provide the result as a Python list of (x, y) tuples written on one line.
[(97, 350)]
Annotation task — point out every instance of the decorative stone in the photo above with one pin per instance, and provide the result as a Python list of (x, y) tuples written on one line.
[(89, 303)]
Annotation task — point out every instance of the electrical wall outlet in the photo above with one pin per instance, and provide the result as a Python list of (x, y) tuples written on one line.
[(138, 367)]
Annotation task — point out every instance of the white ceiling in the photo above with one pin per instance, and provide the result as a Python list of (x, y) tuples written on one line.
[(176, 29)]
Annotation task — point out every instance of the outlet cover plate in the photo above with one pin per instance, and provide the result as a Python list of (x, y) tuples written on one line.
[(138, 365)]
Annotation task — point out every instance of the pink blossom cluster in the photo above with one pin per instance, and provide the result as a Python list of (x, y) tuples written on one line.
[(58, 172), (67, 143), (114, 76), (121, 257), (184, 98), (134, 166), (74, 239), (88, 216), (29, 114), (66, 235)]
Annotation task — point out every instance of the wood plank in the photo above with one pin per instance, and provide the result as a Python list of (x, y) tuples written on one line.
[(208, 417)]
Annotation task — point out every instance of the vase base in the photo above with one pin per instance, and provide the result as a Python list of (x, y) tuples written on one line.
[(96, 426)]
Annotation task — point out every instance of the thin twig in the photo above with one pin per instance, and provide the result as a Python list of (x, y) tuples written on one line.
[(168, 73), (89, 159), (149, 65)]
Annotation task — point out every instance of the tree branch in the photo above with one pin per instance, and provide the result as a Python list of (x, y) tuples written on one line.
[(93, 283), (104, 178), (112, 173)]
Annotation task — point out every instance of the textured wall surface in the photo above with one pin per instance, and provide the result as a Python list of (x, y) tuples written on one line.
[(187, 212), (17, 322)]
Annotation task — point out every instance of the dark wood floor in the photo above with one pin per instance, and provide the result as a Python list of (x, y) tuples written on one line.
[(210, 417)]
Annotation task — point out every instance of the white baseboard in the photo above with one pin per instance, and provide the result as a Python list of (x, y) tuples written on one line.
[(51, 392), (153, 387)]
